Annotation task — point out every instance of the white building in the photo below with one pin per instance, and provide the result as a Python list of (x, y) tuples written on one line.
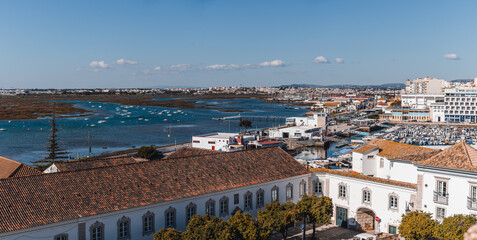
[(132, 201), (222, 141), (317, 120), (445, 182)]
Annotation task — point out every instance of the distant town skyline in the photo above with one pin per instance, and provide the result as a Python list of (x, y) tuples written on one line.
[(120, 44)]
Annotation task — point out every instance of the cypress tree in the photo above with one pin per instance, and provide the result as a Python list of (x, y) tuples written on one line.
[(55, 153)]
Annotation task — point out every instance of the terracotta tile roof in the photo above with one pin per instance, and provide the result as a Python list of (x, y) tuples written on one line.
[(366, 148), (190, 151), (92, 163), (11, 168), (364, 177), (460, 156), (25, 170), (402, 151), (71, 195)]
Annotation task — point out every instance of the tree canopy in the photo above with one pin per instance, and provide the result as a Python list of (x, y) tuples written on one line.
[(204, 227), (454, 227), (245, 124), (147, 152), (168, 234), (417, 225), (277, 217)]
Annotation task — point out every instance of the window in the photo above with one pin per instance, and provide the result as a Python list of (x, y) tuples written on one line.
[(124, 230), (274, 193), (148, 223), (440, 213), (196, 141), (260, 198), (191, 210), (366, 196), (442, 188), (302, 188), (211, 142), (381, 162), (97, 231), (393, 201), (318, 187), (289, 192), (441, 193), (236, 198), (473, 193), (342, 190), (247, 204), (170, 218), (370, 156), (224, 206), (392, 230), (62, 236), (210, 207)]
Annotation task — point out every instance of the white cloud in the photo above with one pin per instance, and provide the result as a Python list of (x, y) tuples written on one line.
[(123, 61), (321, 59), (179, 68), (98, 64), (274, 63), (157, 69), (451, 56), (223, 67), (339, 60), (216, 67)]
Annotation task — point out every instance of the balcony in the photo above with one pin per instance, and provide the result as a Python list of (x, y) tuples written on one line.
[(442, 198), (471, 203)]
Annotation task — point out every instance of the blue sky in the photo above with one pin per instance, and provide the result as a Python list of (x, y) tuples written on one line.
[(144, 43)]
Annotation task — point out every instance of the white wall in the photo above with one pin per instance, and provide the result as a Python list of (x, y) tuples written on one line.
[(379, 198), (135, 214), (458, 185), (203, 142)]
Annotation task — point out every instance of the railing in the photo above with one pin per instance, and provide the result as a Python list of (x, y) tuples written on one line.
[(471, 203), (442, 198)]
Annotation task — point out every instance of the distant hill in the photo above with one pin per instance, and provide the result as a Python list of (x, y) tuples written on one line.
[(355, 86)]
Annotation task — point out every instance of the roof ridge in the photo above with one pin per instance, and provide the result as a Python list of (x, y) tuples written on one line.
[(470, 158)]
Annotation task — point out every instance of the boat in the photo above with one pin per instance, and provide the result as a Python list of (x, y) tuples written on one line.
[(3, 129), (102, 121)]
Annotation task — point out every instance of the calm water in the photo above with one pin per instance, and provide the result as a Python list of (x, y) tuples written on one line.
[(116, 127)]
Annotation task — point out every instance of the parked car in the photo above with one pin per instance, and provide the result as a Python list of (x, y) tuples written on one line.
[(364, 236)]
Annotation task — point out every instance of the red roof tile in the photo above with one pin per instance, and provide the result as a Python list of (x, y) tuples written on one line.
[(92, 163), (460, 156), (364, 177), (49, 198), (11, 168)]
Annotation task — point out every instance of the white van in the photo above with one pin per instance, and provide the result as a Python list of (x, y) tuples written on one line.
[(364, 236)]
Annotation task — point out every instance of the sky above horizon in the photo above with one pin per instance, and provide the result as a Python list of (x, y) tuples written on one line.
[(145, 43)]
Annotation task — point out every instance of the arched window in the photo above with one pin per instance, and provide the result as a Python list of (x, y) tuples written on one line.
[(124, 228), (224, 206), (275, 194), (302, 188), (247, 205), (393, 201), (210, 207), (260, 198), (366, 196), (170, 218), (289, 192), (63, 236), (191, 210), (317, 187), (97, 231), (148, 223), (342, 190)]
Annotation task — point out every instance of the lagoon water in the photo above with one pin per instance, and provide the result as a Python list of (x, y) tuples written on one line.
[(115, 127)]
